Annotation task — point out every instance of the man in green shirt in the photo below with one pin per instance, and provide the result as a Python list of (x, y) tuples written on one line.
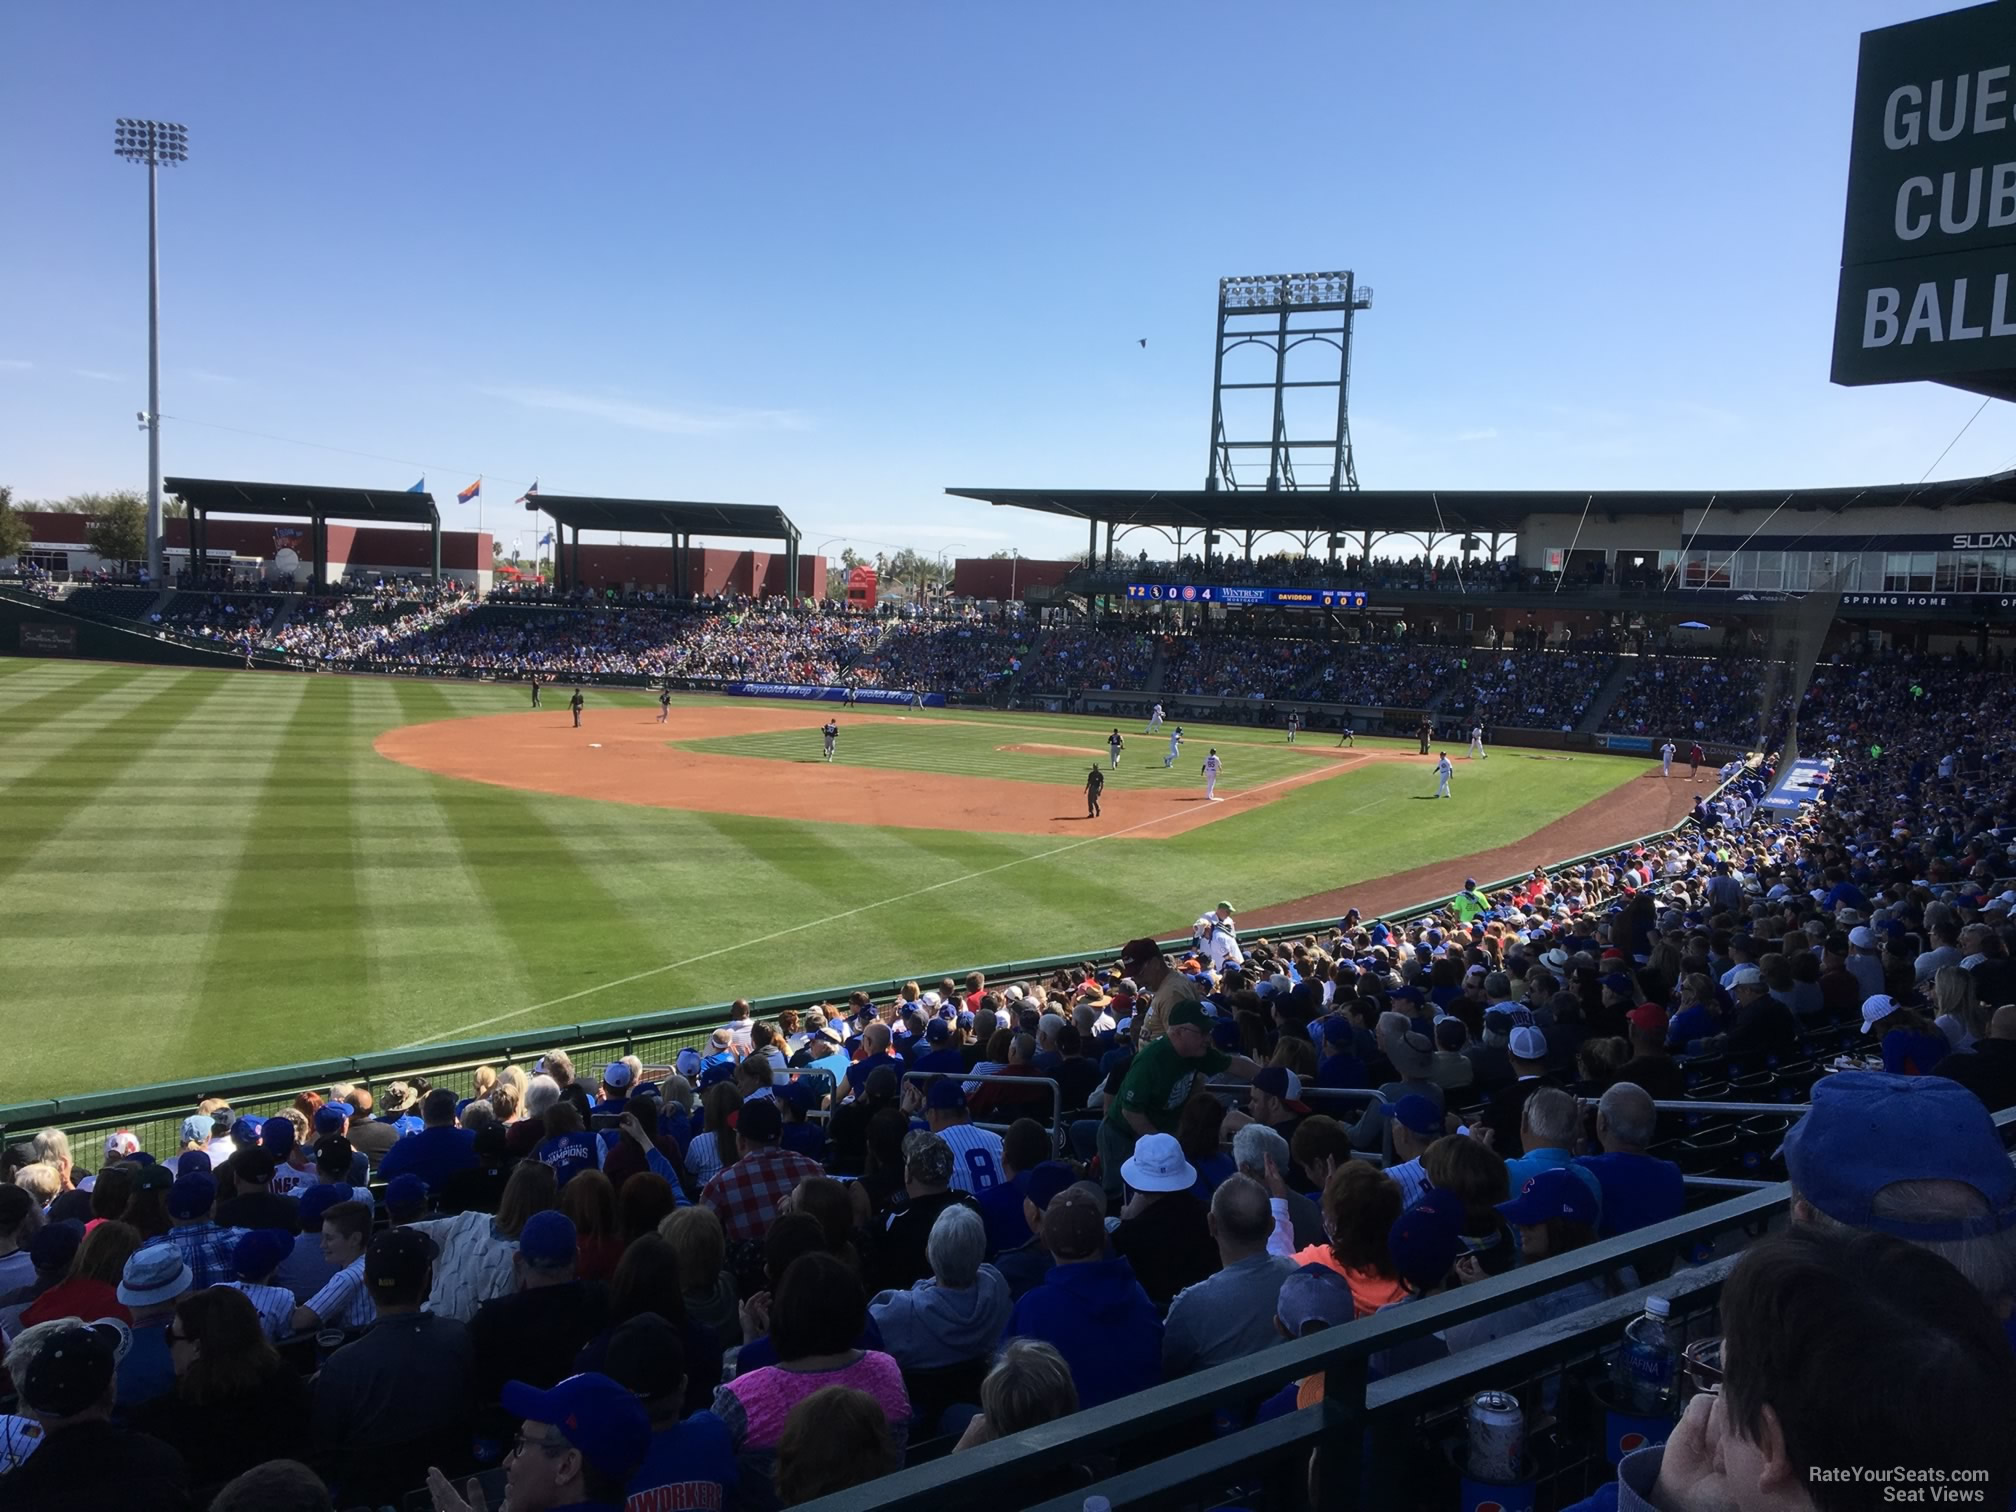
[(1165, 1075)]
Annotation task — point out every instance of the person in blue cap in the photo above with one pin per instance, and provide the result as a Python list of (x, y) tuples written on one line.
[(577, 1447)]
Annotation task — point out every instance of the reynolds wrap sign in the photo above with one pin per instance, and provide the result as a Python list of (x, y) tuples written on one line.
[(1270, 598), (814, 693), (1928, 245)]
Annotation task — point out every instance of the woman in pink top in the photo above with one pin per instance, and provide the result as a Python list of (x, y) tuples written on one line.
[(819, 1311)]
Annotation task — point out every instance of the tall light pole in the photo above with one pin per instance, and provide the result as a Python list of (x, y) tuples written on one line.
[(152, 143)]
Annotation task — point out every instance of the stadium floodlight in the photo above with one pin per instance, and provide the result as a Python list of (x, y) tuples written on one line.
[(152, 143)]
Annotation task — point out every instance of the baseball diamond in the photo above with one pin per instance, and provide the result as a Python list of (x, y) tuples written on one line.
[(269, 868)]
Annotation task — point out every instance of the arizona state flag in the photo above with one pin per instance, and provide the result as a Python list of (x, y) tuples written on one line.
[(470, 492)]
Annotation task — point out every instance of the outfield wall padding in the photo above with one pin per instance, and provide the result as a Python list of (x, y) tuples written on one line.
[(34, 627)]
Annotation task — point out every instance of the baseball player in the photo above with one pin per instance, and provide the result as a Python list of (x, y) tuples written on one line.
[(1477, 742), (829, 733), (1347, 736), (1095, 784), (664, 704), (577, 703), (1212, 766), (851, 700), (1666, 753), (916, 700), (1426, 733), (1175, 747), (535, 692), (1695, 756), (1294, 724), (1154, 720), (1113, 744), (1443, 772)]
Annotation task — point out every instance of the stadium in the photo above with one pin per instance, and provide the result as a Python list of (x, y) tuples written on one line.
[(1329, 997)]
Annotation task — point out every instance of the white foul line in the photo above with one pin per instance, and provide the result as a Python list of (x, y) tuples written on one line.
[(639, 976)]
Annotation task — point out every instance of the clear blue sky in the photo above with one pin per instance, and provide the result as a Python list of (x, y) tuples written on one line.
[(838, 258)]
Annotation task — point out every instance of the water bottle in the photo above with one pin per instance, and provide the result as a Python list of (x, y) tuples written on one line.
[(1643, 1375)]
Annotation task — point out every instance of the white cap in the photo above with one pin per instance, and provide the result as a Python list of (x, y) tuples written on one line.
[(1875, 1010), (1862, 937)]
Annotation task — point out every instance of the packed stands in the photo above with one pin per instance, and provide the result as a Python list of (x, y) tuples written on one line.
[(1069, 657), (1241, 666), (1709, 698), (964, 656), (1536, 689), (229, 618), (1634, 1047)]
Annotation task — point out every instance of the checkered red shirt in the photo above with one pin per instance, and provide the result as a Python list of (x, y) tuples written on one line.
[(745, 1195)]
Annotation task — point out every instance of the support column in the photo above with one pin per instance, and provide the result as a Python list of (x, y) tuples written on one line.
[(1109, 545), (435, 532)]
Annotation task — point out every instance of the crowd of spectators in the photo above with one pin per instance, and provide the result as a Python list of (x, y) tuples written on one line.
[(1090, 657), (1687, 698), (779, 1266), (233, 619), (1536, 689), (1242, 666), (961, 655)]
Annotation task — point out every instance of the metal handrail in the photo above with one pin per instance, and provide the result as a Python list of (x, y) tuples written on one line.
[(1059, 1130)]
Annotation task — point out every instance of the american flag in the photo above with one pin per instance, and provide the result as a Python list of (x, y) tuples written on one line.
[(530, 493)]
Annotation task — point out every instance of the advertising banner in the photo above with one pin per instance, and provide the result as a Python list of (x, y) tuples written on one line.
[(1267, 598), (1798, 785), (813, 693)]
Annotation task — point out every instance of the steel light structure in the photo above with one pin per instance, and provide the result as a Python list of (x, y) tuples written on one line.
[(152, 143), (1277, 313)]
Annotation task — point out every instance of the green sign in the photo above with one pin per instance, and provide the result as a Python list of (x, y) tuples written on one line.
[(1928, 247)]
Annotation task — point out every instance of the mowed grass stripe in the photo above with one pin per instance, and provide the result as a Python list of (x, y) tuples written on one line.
[(289, 937), (437, 942), (27, 714), (69, 744), (64, 782)]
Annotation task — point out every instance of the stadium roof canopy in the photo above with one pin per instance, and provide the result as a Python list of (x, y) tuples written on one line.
[(679, 518), (666, 516), (303, 501), (1478, 511)]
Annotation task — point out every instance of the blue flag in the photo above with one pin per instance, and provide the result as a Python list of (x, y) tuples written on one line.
[(546, 539), (420, 487)]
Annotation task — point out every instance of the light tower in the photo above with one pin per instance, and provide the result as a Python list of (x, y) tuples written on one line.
[(1279, 312), (152, 143)]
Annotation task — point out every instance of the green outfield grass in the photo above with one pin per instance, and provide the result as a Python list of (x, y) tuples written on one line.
[(209, 871)]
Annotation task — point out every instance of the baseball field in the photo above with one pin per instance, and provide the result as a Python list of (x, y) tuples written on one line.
[(203, 871)]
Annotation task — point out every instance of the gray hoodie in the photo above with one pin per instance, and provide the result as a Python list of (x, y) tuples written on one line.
[(932, 1326)]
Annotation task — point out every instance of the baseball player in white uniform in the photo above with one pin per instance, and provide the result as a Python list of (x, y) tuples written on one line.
[(1224, 945), (1294, 724), (1175, 747), (1443, 772), (1154, 720), (1212, 766), (1477, 742), (1113, 744), (1666, 753)]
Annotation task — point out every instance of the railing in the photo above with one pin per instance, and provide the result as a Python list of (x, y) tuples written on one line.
[(1368, 1429), (154, 1112)]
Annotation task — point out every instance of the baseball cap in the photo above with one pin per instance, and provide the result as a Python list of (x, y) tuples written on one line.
[(1745, 976), (759, 1120), (1157, 1165), (1528, 1043), (1415, 1112), (258, 1251), (1426, 1240), (244, 1131), (946, 1092), (55, 1245), (938, 1031), (1190, 1013), (1876, 1009), (404, 1190), (687, 1063), (1337, 1031), (192, 1196), (1138, 953), (120, 1143), (594, 1414), (1314, 1297), (1556, 1193), (1279, 1081), (616, 1074), (964, 1018), (1868, 1129), (189, 1162), (74, 1369), (1046, 1181), (803, 1094), (1618, 983), (928, 1157), (317, 1200), (1648, 1018), (277, 1134), (646, 1355), (329, 1117), (399, 1257), (1862, 937), (156, 1274), (1074, 1226), (548, 1240), (195, 1130)]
